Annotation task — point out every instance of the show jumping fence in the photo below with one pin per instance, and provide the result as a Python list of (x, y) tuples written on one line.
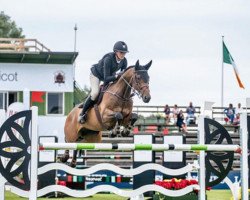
[(32, 193)]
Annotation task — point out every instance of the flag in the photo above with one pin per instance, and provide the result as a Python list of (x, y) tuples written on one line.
[(37, 97), (227, 58)]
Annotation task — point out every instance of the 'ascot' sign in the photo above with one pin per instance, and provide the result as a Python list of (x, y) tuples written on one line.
[(8, 77), (17, 76)]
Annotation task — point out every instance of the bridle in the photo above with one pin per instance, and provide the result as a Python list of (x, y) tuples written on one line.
[(130, 86), (138, 92)]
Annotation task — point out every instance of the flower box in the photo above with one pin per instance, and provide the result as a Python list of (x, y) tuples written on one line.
[(177, 184)]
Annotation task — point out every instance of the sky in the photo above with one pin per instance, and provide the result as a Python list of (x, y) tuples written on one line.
[(182, 37)]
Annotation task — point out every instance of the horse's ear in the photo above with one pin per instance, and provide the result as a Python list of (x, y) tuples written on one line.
[(147, 66), (137, 64)]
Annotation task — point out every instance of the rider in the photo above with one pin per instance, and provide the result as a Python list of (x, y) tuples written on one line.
[(105, 70)]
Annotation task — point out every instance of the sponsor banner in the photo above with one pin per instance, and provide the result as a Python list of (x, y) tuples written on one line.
[(36, 77)]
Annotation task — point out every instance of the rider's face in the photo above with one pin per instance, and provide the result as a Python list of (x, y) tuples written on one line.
[(120, 55)]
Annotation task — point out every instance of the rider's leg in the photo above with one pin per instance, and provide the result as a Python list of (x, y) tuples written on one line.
[(88, 103), (94, 84)]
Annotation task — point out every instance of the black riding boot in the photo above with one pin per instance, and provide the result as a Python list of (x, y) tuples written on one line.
[(83, 115)]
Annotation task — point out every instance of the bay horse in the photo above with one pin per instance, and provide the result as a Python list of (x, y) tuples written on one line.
[(114, 110)]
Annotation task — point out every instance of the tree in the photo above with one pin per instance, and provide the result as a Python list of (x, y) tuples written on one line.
[(8, 28), (80, 94)]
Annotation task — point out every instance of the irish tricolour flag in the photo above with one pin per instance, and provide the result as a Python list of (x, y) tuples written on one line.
[(227, 58)]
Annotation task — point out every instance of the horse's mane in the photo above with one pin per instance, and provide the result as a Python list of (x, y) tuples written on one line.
[(128, 68)]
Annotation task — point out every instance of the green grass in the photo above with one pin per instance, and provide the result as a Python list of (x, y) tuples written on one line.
[(11, 196), (212, 195), (219, 194)]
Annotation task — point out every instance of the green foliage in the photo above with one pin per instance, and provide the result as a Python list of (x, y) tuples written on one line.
[(155, 116), (8, 28), (79, 93)]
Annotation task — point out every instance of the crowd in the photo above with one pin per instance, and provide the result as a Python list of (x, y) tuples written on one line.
[(233, 114), (176, 115)]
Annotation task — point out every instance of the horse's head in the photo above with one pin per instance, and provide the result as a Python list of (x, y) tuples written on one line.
[(141, 81)]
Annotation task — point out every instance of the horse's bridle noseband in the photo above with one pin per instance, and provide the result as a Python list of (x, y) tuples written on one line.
[(141, 87)]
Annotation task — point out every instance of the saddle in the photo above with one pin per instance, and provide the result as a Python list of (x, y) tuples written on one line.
[(103, 88)]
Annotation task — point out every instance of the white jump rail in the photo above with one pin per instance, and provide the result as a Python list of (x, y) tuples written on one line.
[(137, 147)]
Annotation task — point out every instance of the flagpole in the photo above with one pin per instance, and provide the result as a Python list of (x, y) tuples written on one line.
[(222, 77)]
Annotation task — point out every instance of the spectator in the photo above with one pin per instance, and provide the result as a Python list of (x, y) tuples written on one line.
[(236, 122), (190, 114), (167, 113), (238, 110), (175, 112), (180, 122), (230, 112)]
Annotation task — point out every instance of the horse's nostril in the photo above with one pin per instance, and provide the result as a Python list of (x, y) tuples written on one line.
[(147, 99)]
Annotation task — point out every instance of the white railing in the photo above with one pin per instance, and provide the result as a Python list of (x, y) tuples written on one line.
[(21, 45)]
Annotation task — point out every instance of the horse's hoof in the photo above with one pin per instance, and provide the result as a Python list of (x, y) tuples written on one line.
[(72, 164), (64, 158), (112, 134), (125, 133)]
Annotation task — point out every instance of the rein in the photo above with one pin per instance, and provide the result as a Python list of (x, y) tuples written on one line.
[(139, 94), (129, 85)]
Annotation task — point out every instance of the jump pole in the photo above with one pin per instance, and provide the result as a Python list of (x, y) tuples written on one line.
[(137, 147), (34, 154), (201, 159), (244, 158)]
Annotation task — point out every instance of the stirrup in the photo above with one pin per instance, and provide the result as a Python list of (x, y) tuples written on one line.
[(82, 118)]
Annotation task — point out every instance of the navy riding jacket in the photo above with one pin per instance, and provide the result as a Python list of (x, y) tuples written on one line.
[(106, 68)]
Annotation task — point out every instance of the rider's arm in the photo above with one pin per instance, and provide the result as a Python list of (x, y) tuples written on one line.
[(108, 77)]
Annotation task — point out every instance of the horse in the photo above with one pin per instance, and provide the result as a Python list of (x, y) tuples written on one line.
[(114, 110)]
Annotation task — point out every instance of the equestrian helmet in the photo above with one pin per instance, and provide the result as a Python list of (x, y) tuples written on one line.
[(120, 46)]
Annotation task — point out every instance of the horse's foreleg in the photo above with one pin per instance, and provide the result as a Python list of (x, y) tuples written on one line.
[(133, 119), (127, 129), (73, 161), (118, 118)]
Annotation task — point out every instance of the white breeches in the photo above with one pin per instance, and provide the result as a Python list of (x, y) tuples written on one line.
[(95, 86)]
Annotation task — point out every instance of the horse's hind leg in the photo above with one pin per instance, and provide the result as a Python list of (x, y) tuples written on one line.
[(65, 156), (73, 161)]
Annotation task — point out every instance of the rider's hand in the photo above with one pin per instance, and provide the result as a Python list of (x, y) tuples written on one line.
[(118, 74)]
